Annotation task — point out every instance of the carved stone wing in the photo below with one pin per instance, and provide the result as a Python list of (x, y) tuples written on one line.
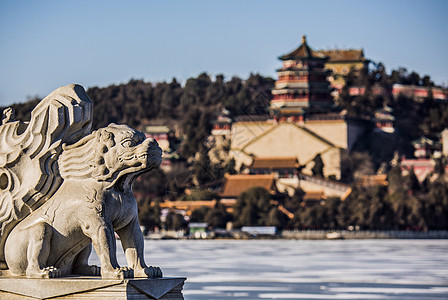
[(29, 174)]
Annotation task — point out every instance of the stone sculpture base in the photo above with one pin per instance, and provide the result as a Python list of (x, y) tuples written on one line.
[(77, 287)]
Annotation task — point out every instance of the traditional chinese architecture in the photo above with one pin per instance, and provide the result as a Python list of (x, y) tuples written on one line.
[(219, 139), (280, 166), (425, 147), (326, 134), (426, 153), (314, 188), (341, 61), (222, 124), (367, 181), (234, 185), (301, 126), (163, 135), (160, 134), (187, 207), (384, 120), (302, 83), (444, 140), (419, 93)]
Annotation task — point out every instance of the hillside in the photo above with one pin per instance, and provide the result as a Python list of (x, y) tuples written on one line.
[(190, 109)]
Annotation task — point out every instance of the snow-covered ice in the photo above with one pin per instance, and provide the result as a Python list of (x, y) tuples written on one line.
[(290, 269)]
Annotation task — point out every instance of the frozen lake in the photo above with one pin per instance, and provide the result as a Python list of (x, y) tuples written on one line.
[(291, 269)]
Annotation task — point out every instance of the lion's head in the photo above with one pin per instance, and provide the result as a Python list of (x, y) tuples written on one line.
[(116, 152)]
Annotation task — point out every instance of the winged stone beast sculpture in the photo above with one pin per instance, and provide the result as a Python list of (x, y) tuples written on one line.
[(64, 188)]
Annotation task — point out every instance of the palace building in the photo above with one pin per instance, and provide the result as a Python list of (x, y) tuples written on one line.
[(326, 135), (341, 61), (301, 125), (302, 83)]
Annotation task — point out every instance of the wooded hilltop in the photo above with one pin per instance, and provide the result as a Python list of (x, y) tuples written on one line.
[(191, 108)]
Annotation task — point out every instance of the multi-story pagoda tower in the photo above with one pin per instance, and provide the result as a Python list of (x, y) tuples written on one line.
[(302, 84)]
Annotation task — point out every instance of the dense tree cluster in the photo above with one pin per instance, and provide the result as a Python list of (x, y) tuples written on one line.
[(404, 205), (139, 103), (255, 208)]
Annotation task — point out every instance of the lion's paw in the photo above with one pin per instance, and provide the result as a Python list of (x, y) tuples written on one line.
[(50, 272), (119, 273), (151, 272)]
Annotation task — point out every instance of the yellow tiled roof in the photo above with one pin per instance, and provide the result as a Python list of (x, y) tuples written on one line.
[(274, 163), (234, 185)]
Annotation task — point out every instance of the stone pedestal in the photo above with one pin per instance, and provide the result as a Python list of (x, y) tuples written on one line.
[(77, 287)]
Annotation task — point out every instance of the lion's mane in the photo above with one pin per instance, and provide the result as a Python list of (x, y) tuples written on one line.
[(84, 159)]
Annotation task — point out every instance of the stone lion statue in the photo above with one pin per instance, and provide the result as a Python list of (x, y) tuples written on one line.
[(64, 188)]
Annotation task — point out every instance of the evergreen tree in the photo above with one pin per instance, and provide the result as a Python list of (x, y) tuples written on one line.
[(252, 207), (318, 168), (217, 217), (198, 215)]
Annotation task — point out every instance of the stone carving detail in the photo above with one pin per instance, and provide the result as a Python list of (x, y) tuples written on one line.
[(64, 188)]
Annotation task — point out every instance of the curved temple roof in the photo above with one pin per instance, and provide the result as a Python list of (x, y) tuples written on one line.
[(302, 52)]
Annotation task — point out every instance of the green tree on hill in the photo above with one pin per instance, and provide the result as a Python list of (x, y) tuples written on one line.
[(253, 207), (318, 167)]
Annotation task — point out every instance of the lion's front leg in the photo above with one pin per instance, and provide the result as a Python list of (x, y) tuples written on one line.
[(103, 240), (132, 241)]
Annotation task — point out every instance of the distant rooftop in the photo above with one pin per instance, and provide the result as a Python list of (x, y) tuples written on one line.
[(252, 118), (234, 185), (157, 129), (342, 55), (303, 52), (274, 163)]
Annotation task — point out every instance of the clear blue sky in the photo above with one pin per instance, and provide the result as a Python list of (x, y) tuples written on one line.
[(47, 44)]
